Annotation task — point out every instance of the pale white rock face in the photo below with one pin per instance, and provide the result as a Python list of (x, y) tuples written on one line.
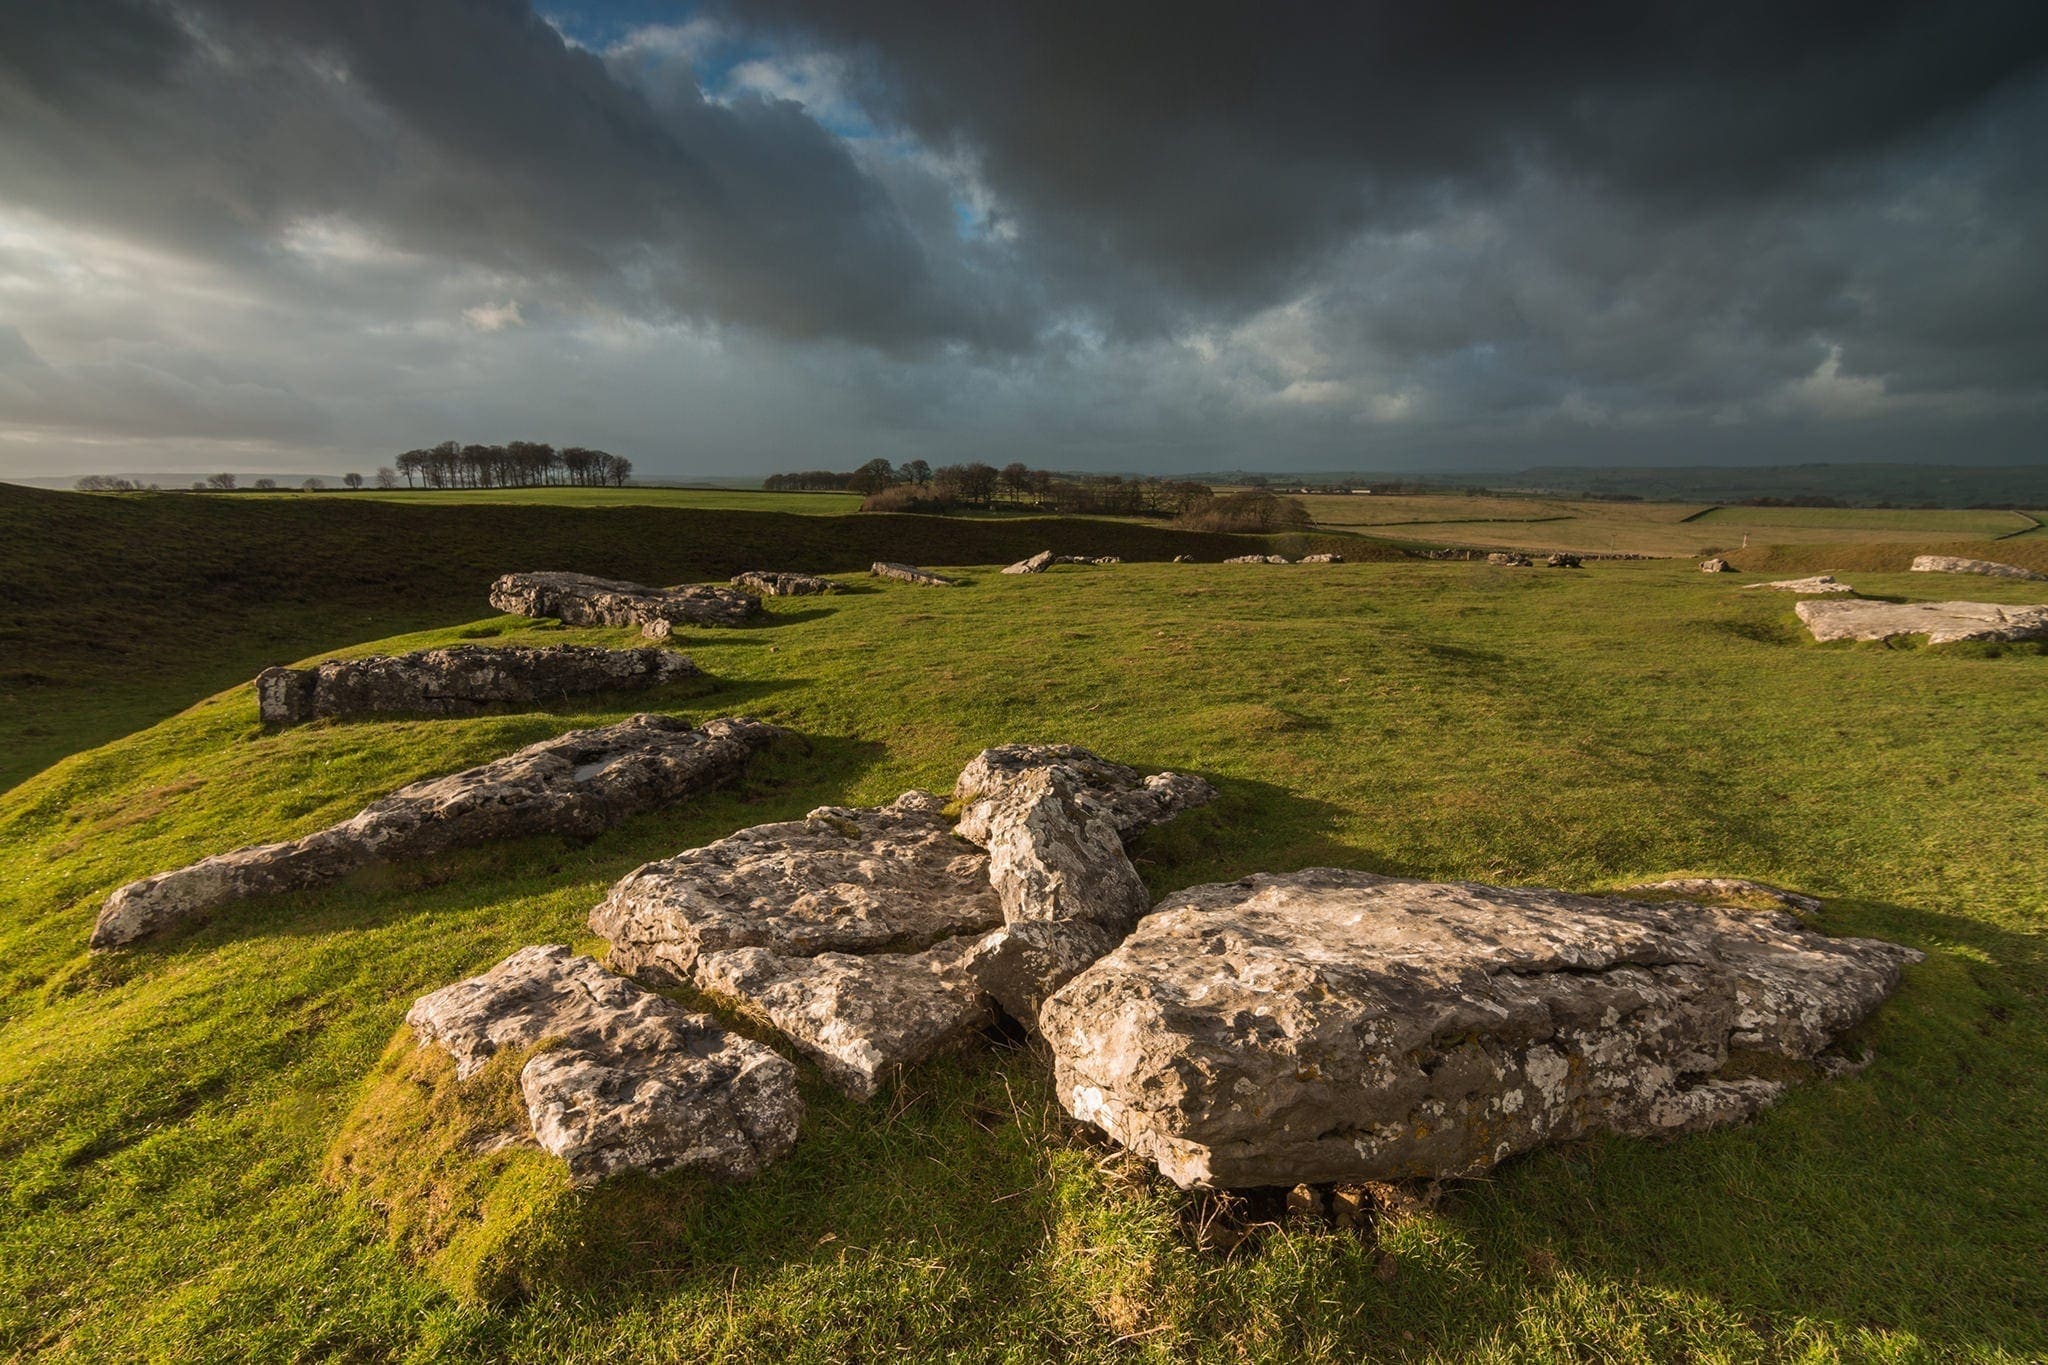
[(1322, 559), (1819, 585), (627, 1080), (1941, 622), (1256, 559), (580, 600), (1055, 854), (1991, 568), (1038, 563), (1333, 1025), (581, 783), (1136, 802), (1716, 565), (772, 584), (910, 573)]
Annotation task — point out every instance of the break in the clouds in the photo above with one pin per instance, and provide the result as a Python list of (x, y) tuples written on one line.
[(728, 238)]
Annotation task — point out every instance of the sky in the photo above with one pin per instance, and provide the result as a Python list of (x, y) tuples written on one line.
[(725, 239)]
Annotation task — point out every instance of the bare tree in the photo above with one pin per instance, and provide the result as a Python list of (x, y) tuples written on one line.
[(266, 485), (311, 486), (387, 477), (221, 483), (352, 480)]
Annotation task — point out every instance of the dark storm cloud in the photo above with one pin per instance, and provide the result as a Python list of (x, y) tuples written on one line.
[(471, 129)]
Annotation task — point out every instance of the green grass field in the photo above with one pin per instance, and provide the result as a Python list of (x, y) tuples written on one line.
[(170, 1110)]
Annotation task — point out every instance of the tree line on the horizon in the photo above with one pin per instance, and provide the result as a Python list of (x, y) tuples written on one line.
[(516, 464)]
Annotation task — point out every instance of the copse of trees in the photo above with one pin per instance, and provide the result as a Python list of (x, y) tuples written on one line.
[(516, 464)]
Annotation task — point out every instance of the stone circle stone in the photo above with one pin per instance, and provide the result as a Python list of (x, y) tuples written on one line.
[(1957, 564), (786, 584), (910, 573), (580, 600), (459, 680), (1941, 622), (1819, 585)]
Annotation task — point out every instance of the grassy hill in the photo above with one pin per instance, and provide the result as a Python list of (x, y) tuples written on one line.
[(122, 608), (170, 1109)]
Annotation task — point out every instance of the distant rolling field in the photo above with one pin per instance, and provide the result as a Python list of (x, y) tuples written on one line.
[(707, 499)]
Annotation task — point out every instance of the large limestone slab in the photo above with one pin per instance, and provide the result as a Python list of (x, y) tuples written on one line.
[(1037, 563), (1941, 622), (1334, 1025), (628, 1081), (580, 600), (1136, 802), (459, 680), (786, 584), (1820, 585), (880, 879), (580, 783), (1957, 564), (860, 1018)]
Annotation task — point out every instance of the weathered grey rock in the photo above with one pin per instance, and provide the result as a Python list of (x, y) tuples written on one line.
[(786, 584), (1818, 584), (1322, 559), (882, 879), (577, 784), (1135, 802), (459, 680), (1055, 854), (1183, 559), (1941, 622), (1103, 561), (1019, 966), (629, 1081), (1716, 565), (1038, 563), (1957, 564), (1562, 561), (1331, 1025), (1737, 889), (1513, 561), (860, 1018), (579, 600), (1256, 559), (910, 573)]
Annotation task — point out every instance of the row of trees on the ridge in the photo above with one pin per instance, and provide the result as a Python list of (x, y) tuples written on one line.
[(917, 487), (516, 464), (387, 477)]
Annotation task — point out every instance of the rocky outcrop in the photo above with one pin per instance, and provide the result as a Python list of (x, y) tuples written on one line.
[(1988, 567), (1332, 1025), (1509, 559), (1716, 565), (623, 1080), (1135, 801), (579, 784), (1818, 585), (459, 680), (1322, 559), (1038, 563), (910, 573), (1941, 622), (1562, 561), (1256, 559), (786, 584), (845, 929), (579, 600)]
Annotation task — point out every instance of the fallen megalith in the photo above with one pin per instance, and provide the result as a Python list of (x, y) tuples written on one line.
[(1322, 559), (1716, 565), (622, 1079), (577, 599), (786, 584), (1818, 585), (1509, 559), (1941, 622), (1329, 1025), (878, 937), (1256, 559), (459, 680), (1561, 560), (910, 573), (580, 783), (1037, 563), (1991, 568)]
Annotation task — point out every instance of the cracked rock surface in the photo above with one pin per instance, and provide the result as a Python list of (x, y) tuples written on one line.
[(1941, 622), (1333, 1025), (580, 600), (459, 680), (580, 783), (628, 1081), (786, 584), (1135, 801), (910, 573), (1957, 564), (1819, 585), (1038, 563)]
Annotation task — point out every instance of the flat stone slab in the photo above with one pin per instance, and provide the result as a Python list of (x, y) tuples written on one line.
[(1135, 801), (1322, 559), (1728, 889), (1941, 622), (786, 584), (1957, 564), (580, 783), (1332, 1025), (1513, 561), (1818, 585), (459, 680), (1256, 559), (1038, 563), (860, 1018), (629, 1081), (580, 600), (910, 573)]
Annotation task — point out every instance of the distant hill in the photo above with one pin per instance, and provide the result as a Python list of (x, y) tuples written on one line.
[(1854, 485)]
